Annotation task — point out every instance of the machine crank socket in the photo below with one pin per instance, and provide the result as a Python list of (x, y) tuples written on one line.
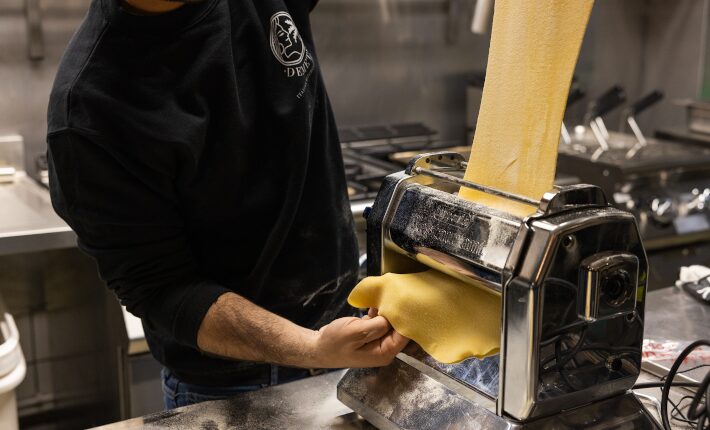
[(608, 282)]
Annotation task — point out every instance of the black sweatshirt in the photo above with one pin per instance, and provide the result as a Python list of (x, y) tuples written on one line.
[(195, 153)]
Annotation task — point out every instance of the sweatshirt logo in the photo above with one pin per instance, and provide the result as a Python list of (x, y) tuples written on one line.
[(286, 42)]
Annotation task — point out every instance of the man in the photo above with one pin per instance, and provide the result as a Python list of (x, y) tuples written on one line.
[(193, 150)]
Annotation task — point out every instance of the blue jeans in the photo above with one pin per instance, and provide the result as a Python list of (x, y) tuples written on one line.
[(177, 393)]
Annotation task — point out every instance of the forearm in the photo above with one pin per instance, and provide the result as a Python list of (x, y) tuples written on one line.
[(238, 329)]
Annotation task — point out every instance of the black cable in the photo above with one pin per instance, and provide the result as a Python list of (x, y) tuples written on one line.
[(669, 382), (677, 411), (621, 350), (690, 369), (555, 335), (560, 364), (643, 385), (694, 412), (561, 361)]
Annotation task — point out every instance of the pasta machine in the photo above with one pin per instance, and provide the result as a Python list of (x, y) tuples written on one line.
[(572, 281)]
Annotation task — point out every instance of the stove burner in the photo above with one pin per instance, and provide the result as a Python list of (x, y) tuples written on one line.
[(365, 174), (352, 168), (385, 132)]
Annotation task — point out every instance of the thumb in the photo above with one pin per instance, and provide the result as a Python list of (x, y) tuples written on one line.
[(373, 312)]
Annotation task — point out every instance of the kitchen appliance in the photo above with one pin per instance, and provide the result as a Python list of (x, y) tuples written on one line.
[(380, 140), (698, 116), (697, 130), (364, 174), (572, 280), (665, 184), (12, 158)]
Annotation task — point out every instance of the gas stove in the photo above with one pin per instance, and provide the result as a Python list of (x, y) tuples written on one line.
[(364, 174), (665, 184), (380, 140), (367, 152)]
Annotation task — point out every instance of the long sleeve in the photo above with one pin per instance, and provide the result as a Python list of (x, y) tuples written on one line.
[(124, 208)]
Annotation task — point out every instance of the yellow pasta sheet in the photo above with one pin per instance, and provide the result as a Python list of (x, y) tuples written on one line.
[(450, 319), (534, 49)]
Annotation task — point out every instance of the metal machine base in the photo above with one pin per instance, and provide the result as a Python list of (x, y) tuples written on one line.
[(401, 396)]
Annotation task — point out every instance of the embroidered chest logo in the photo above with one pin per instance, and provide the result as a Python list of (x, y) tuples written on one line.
[(290, 50), (286, 42)]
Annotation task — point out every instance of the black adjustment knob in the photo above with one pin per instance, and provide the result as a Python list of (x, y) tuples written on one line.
[(645, 102), (366, 212), (607, 102)]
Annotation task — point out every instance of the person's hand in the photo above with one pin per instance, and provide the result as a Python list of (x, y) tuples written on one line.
[(357, 342)]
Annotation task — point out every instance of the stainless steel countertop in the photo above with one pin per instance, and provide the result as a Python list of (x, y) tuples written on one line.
[(305, 404), (674, 315), (27, 220), (312, 403)]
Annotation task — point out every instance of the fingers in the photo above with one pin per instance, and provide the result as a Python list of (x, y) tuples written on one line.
[(366, 342), (380, 352), (370, 329), (393, 343), (375, 355), (372, 312), (355, 342)]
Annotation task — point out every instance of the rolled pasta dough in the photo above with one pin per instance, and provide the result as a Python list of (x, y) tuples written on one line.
[(450, 319), (534, 49)]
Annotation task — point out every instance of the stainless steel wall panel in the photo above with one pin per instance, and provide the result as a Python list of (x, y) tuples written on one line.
[(395, 64), (645, 45)]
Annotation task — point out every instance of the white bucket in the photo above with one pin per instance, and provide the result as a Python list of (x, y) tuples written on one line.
[(12, 372)]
